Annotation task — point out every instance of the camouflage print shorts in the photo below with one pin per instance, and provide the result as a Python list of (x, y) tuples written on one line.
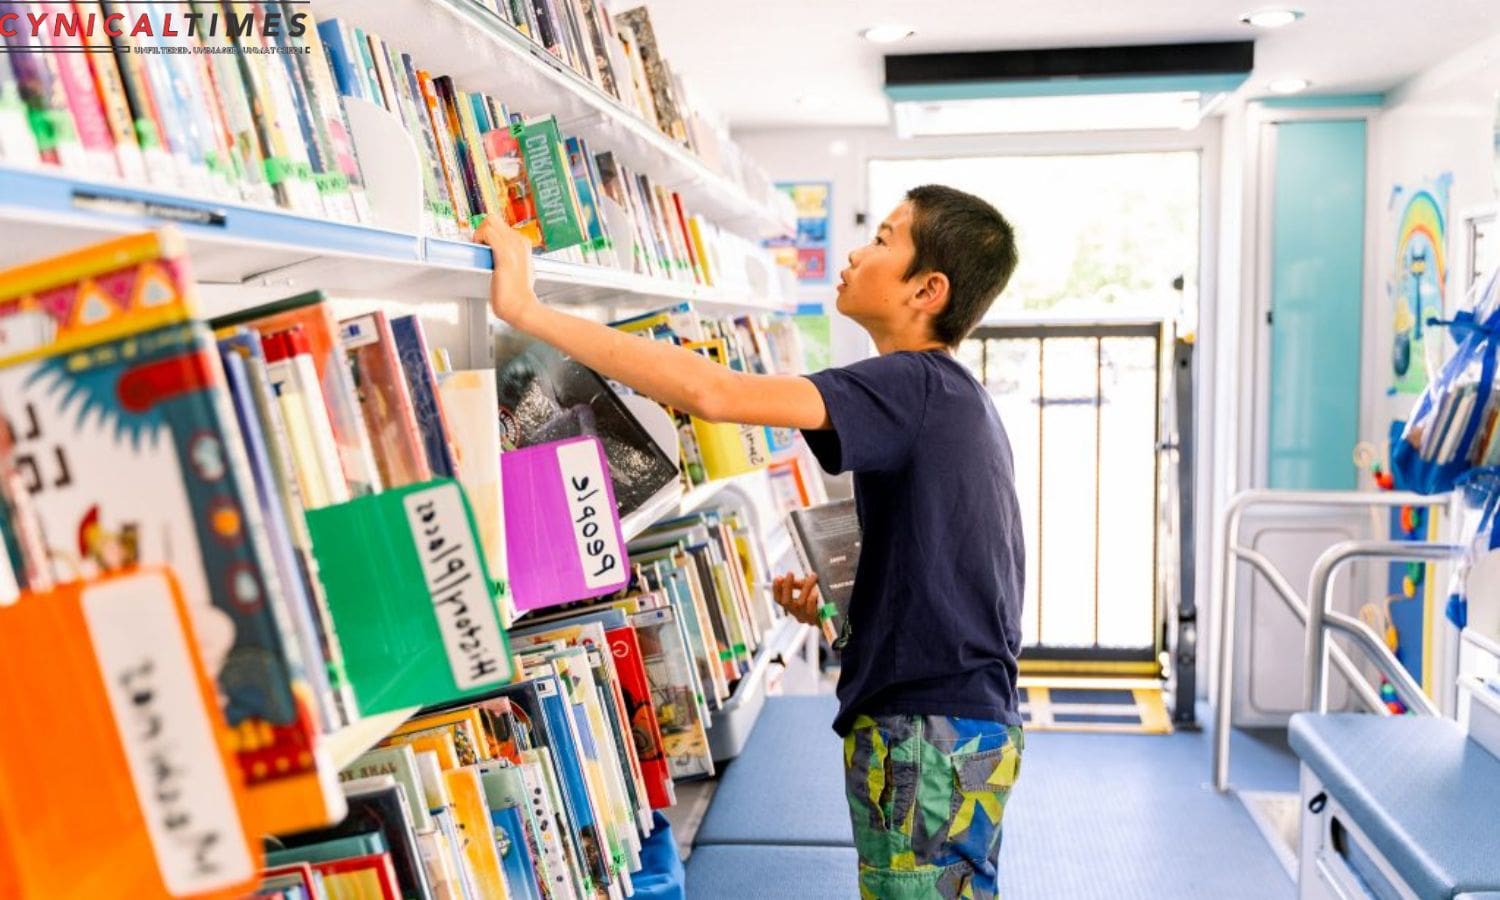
[(926, 794)]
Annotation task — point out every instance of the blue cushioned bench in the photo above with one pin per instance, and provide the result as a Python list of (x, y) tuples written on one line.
[(1426, 797), (764, 872), (786, 787)]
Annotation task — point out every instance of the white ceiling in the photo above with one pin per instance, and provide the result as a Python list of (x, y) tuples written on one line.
[(769, 63)]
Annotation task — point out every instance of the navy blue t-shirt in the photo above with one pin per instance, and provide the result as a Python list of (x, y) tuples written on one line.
[(935, 620)]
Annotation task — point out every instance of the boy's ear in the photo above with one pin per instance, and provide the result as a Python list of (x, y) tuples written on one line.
[(932, 292)]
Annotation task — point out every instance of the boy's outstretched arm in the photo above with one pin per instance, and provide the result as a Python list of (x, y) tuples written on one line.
[(671, 375)]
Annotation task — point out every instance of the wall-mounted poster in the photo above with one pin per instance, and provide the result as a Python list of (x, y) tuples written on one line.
[(1420, 278), (811, 246)]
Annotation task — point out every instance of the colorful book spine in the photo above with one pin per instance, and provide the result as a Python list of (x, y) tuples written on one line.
[(434, 179), (105, 71), (17, 143), (385, 400), (41, 89), (447, 157), (411, 346), (294, 380), (77, 81)]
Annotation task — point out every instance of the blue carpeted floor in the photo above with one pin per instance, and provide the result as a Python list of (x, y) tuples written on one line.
[(1093, 816), (1132, 816)]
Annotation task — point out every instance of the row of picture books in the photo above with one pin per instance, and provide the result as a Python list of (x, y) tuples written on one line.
[(272, 128), (618, 52), (481, 158), (353, 530)]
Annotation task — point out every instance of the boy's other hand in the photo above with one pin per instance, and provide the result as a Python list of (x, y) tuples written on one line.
[(512, 291), (798, 597)]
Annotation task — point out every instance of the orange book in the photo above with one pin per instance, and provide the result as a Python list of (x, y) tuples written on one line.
[(155, 806)]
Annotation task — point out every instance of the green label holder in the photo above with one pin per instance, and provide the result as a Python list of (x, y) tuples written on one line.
[(411, 599)]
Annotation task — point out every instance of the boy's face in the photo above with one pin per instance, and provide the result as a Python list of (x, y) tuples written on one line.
[(874, 287)]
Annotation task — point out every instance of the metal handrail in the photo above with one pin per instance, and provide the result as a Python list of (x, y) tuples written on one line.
[(1229, 542), (1288, 594), (1320, 618)]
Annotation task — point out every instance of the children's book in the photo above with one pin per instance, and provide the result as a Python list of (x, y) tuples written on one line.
[(645, 729), (385, 399), (315, 317), (544, 396), (684, 733), (470, 401), (117, 398), (472, 815), (421, 381), (377, 805), (827, 540), (401, 764)]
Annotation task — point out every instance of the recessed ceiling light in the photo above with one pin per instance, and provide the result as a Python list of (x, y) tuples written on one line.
[(1271, 18), (887, 34), (1288, 86)]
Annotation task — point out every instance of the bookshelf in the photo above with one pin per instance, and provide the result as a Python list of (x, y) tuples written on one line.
[(268, 251), (465, 40)]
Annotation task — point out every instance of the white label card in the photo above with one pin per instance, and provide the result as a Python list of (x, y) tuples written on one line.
[(595, 529), (456, 584), (358, 332), (175, 762)]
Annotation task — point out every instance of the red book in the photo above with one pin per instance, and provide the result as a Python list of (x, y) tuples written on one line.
[(644, 730)]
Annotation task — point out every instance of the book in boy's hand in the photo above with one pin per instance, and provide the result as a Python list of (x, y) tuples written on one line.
[(827, 540)]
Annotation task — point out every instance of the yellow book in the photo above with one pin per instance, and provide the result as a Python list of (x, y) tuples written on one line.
[(472, 814)]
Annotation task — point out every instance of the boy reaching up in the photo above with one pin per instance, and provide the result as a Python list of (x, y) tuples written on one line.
[(927, 692)]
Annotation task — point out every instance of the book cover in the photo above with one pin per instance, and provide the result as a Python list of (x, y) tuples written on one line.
[(401, 764), (470, 400), (551, 183), (112, 665), (645, 729), (290, 881), (421, 383), (369, 877), (458, 195), (517, 858), (473, 818), (684, 734), (505, 787), (378, 807), (563, 538), (385, 400), (668, 119), (128, 420), (544, 396), (827, 540), (312, 313), (542, 700)]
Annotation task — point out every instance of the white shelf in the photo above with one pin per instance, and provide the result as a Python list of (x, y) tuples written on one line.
[(267, 253), (480, 52), (345, 745)]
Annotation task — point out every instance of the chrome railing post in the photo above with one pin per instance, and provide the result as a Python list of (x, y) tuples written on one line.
[(1320, 619), (1229, 553)]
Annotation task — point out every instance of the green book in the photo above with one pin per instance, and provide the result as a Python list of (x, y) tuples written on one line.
[(551, 183)]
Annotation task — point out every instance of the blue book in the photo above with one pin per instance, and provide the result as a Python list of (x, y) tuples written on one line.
[(411, 348), (515, 854), (335, 35)]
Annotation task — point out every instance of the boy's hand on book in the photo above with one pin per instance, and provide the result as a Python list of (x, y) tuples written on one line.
[(512, 290), (798, 597)]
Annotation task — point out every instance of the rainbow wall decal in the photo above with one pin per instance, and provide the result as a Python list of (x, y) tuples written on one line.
[(1419, 279)]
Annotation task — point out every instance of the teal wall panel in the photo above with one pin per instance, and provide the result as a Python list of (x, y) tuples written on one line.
[(1317, 286)]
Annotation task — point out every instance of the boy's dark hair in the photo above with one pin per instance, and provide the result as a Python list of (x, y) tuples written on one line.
[(968, 240)]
